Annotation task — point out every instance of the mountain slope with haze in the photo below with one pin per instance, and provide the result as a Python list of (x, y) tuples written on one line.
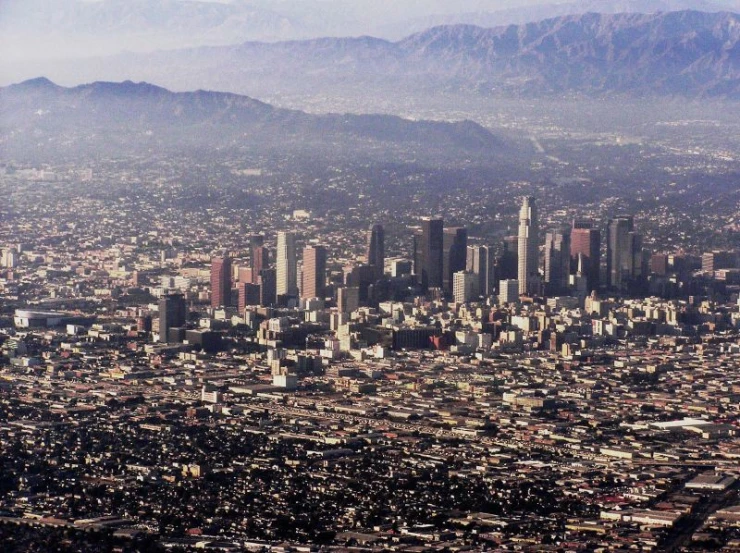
[(38, 117)]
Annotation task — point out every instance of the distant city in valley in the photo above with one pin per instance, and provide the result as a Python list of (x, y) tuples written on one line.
[(471, 283)]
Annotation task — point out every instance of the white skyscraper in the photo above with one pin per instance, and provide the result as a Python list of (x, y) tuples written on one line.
[(529, 255), (287, 264), (463, 287)]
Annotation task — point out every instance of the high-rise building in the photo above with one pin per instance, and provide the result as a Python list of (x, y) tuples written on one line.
[(259, 256), (314, 272), (529, 253), (585, 241), (348, 299), (659, 264), (463, 286), (480, 263), (454, 251), (376, 250), (717, 260), (286, 264), (267, 281), (557, 261), (507, 266), (401, 267), (10, 258), (360, 277), (172, 314), (249, 294), (508, 291), (428, 252), (221, 282), (624, 256)]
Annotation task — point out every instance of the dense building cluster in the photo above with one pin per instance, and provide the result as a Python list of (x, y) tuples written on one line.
[(549, 391)]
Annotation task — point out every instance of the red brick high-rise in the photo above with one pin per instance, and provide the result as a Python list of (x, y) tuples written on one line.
[(220, 282), (314, 272), (585, 241)]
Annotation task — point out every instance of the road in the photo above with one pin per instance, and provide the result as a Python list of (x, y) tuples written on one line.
[(683, 531)]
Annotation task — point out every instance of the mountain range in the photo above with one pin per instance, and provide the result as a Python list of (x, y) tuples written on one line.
[(75, 28), (39, 119), (685, 53)]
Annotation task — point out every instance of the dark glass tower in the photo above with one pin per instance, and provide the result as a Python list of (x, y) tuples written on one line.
[(429, 253)]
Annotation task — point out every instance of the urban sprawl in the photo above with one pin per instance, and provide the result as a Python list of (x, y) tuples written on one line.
[(565, 390)]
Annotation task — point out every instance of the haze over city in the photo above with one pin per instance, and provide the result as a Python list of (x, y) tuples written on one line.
[(363, 276)]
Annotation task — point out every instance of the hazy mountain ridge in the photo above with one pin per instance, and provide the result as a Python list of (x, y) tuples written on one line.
[(690, 54), (38, 115), (63, 29), (532, 14)]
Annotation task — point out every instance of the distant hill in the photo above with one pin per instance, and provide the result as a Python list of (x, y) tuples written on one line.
[(39, 118)]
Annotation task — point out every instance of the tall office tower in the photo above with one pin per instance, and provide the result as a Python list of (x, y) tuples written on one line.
[(507, 266), (267, 281), (557, 261), (287, 265), (717, 260), (454, 252), (221, 281), (172, 314), (428, 252), (314, 272), (463, 286), (508, 291), (659, 264), (529, 253), (585, 241), (348, 299), (623, 252), (249, 294), (401, 268), (376, 250), (480, 263), (361, 277), (259, 256)]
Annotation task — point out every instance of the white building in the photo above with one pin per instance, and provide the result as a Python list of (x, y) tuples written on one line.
[(463, 286), (287, 264)]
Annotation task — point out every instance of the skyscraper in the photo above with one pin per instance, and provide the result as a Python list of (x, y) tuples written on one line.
[(623, 252), (348, 299), (454, 253), (507, 267), (221, 281), (529, 254), (267, 281), (376, 250), (259, 257), (480, 263), (172, 314), (508, 291), (557, 261), (463, 286), (287, 265), (585, 240), (249, 294), (428, 253), (314, 272)]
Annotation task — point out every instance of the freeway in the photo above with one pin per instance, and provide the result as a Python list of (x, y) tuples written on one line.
[(684, 529)]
